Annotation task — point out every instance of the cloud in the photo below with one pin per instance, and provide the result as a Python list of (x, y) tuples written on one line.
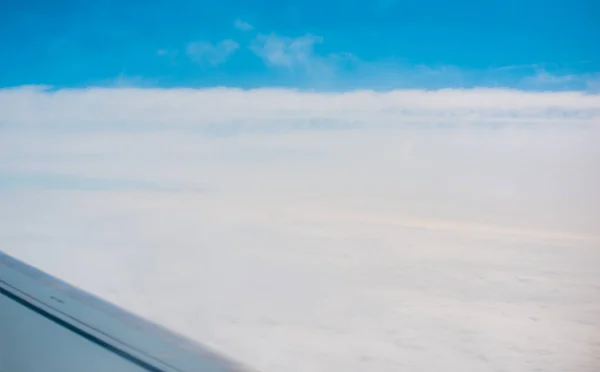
[(243, 26), (205, 52), (281, 51), (310, 220), (303, 65), (541, 78), (300, 126), (33, 106), (296, 54)]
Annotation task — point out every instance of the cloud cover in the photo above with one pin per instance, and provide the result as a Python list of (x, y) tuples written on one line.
[(325, 231), (215, 106), (517, 159)]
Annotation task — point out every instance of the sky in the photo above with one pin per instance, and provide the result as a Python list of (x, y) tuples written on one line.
[(316, 186), (325, 45)]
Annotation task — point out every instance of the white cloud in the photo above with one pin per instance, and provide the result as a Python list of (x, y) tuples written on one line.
[(295, 54), (544, 79), (522, 141), (243, 26), (285, 51), (177, 108), (451, 229), (205, 52)]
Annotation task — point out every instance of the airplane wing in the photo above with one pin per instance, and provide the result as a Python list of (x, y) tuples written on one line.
[(47, 325)]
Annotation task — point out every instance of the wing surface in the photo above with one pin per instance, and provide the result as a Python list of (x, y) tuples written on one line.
[(48, 325)]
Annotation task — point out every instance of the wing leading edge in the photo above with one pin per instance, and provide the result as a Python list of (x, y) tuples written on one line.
[(49, 325)]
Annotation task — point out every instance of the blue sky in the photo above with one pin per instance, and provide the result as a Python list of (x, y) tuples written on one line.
[(321, 44)]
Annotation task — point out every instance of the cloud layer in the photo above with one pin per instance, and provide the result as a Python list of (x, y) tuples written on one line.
[(320, 231), (486, 152), (214, 107)]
